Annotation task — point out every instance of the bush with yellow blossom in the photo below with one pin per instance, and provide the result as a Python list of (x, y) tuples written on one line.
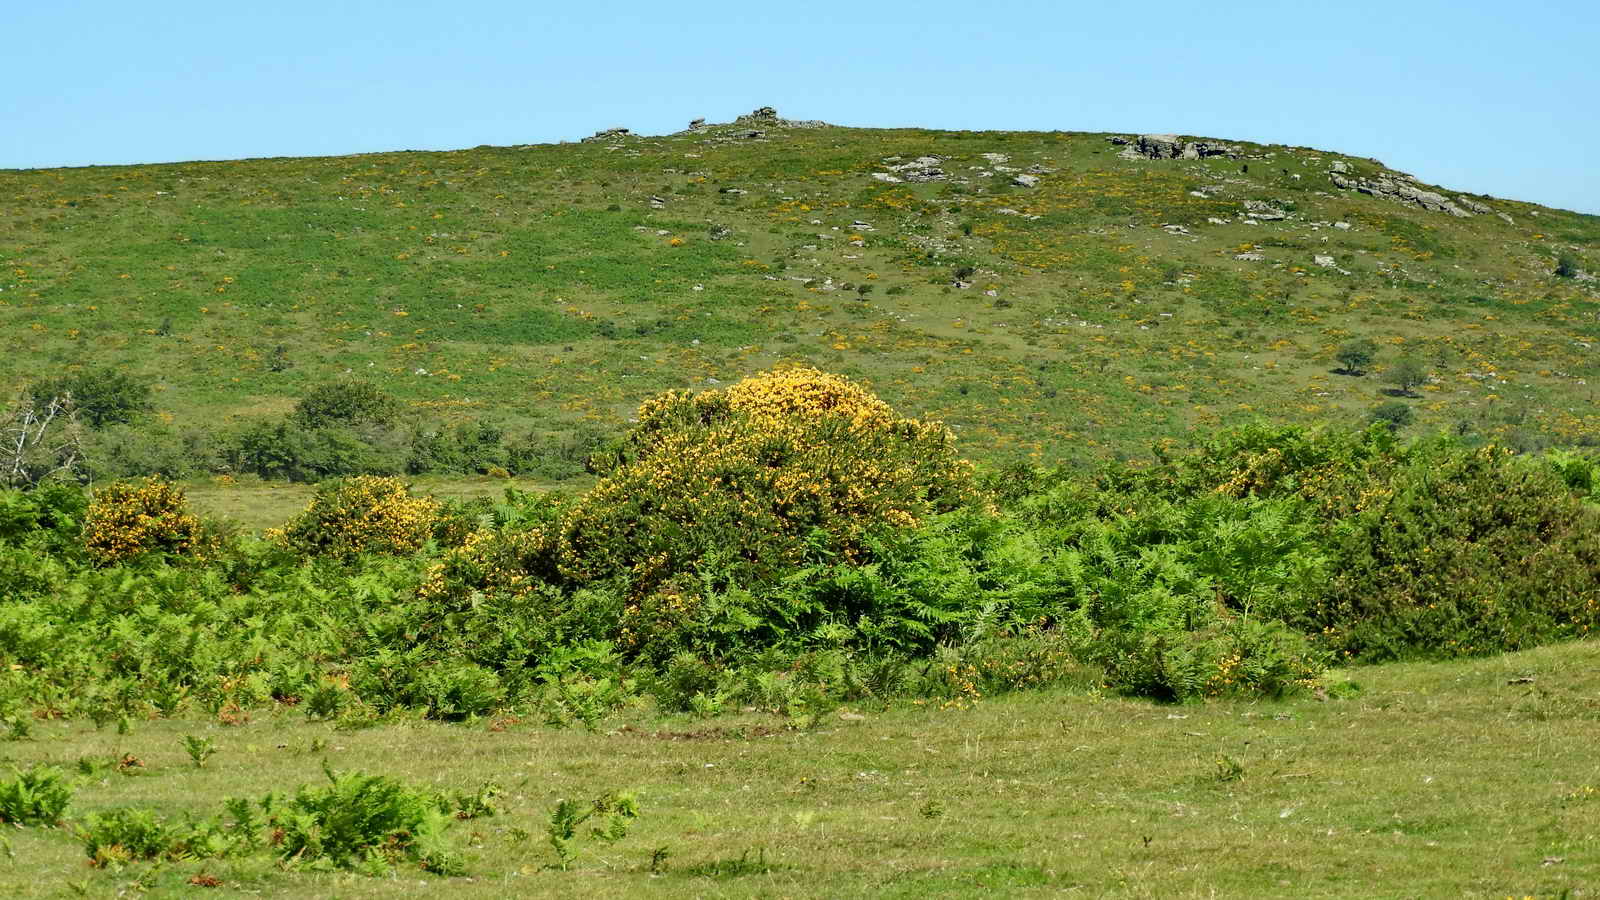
[(365, 514), (127, 519)]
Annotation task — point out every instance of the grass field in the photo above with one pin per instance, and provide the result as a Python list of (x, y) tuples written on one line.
[(1473, 779)]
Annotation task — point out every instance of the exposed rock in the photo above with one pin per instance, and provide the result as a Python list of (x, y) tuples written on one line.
[(696, 123), (1249, 256), (886, 177), (1026, 181), (1339, 166), (767, 117), (657, 202), (606, 134), (1261, 209), (1473, 205), (1342, 226), (1119, 140), (996, 158), (1508, 219), (1324, 261), (1400, 189), (1167, 146), (750, 134), (1037, 169), (923, 168)]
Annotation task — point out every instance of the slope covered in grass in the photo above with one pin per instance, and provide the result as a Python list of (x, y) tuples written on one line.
[(547, 286)]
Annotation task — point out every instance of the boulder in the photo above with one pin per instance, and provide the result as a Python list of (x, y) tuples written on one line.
[(1264, 211), (606, 134), (1400, 189), (1026, 181), (1167, 146)]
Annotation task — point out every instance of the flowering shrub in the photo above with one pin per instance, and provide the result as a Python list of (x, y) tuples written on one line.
[(128, 519), (365, 514), (755, 477)]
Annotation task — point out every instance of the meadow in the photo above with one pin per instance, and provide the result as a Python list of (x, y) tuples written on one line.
[(715, 515)]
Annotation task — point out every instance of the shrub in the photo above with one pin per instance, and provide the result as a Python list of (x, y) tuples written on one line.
[(38, 796), (348, 403), (126, 834), (364, 514), (754, 478), (286, 450), (1567, 266), (128, 519), (1394, 415), (101, 397)]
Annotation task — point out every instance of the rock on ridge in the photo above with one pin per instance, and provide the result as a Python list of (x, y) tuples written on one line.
[(1404, 189), (1168, 146)]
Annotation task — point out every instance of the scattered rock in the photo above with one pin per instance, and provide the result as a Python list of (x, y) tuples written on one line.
[(1249, 256), (996, 158), (1175, 229), (1261, 209), (1324, 261), (1342, 226), (1508, 219), (657, 202), (886, 177), (1400, 189), (1026, 181), (1119, 140), (1037, 169), (1339, 166), (1216, 221), (695, 124), (749, 135), (1473, 205), (767, 117)]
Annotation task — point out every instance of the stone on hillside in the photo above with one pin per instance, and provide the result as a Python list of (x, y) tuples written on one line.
[(1473, 205), (1508, 219), (1342, 226), (1249, 256), (1339, 166), (1026, 181), (1400, 189), (606, 134), (1119, 140), (696, 123), (1324, 261), (1167, 146), (1261, 209), (996, 158), (1037, 169)]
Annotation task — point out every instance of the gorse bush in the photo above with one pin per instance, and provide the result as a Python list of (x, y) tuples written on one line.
[(753, 475), (365, 514), (131, 519)]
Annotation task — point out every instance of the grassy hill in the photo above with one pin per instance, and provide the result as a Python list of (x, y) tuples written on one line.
[(547, 286)]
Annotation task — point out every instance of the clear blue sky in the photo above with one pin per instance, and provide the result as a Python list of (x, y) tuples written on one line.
[(1492, 96)]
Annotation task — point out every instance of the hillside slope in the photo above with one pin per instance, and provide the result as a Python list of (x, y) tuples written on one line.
[(1051, 295)]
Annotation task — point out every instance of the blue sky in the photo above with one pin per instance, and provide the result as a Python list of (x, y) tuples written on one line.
[(1492, 97)]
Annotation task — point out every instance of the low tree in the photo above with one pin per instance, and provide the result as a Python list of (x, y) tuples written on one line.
[(1356, 355), (1406, 374)]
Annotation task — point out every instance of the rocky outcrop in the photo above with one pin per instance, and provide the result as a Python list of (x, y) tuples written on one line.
[(767, 117), (1400, 189), (1263, 211), (1168, 146), (923, 168), (609, 134)]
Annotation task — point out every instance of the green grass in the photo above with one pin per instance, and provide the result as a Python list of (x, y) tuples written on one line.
[(533, 286), (1471, 779)]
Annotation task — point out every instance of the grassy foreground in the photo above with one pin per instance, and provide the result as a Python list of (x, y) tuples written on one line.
[(1471, 778)]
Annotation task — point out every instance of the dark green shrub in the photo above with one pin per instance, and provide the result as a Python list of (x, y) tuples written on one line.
[(38, 796), (347, 403), (1394, 415), (467, 448), (119, 836), (1463, 552), (100, 397), (1567, 266), (287, 451)]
